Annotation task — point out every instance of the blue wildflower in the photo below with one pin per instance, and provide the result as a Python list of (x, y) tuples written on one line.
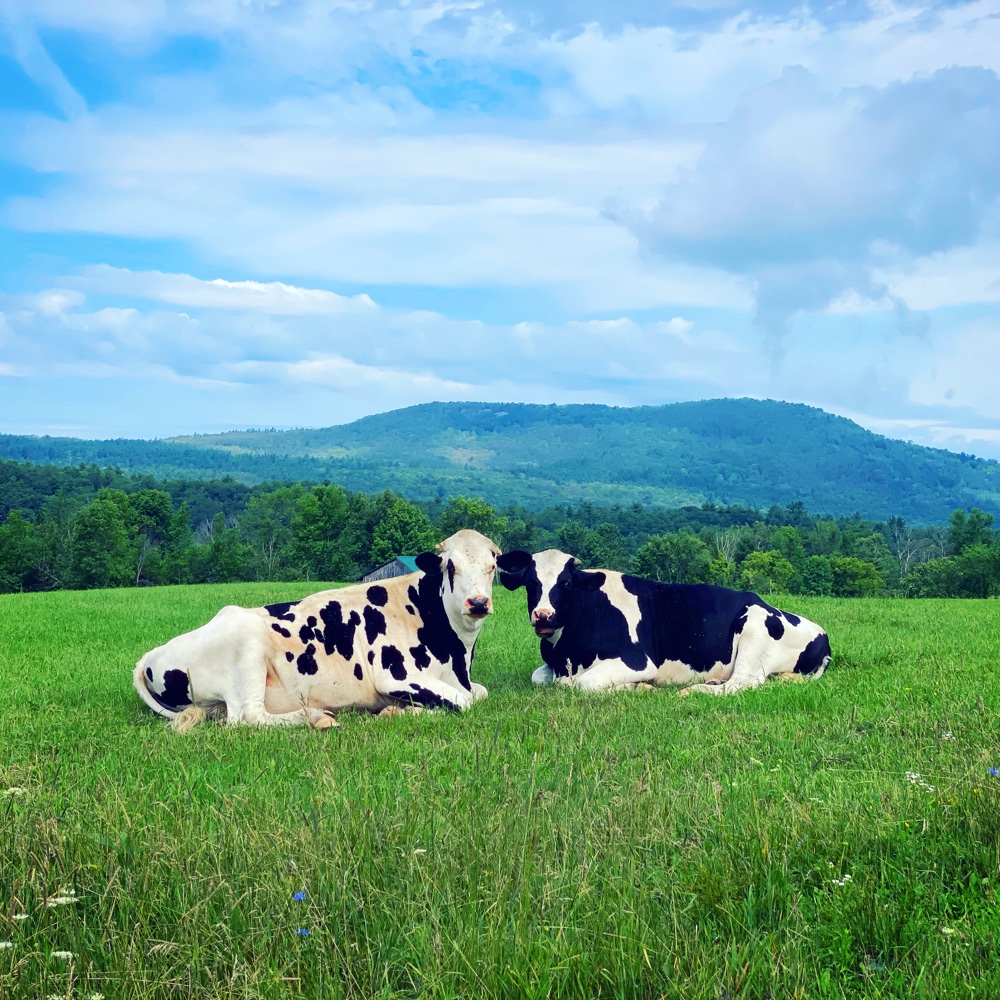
[(302, 932), (993, 772), (299, 896)]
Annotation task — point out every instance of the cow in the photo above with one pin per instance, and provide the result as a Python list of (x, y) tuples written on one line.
[(399, 643), (602, 630)]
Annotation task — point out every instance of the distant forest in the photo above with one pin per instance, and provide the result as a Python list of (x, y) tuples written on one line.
[(83, 526), (742, 452)]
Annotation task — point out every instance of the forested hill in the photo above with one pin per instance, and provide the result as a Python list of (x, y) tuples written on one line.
[(744, 451)]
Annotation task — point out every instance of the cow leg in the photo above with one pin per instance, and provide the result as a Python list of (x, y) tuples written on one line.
[(479, 692), (429, 692), (610, 675), (754, 650), (543, 675)]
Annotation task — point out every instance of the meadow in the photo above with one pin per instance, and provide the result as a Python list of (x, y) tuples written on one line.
[(831, 839)]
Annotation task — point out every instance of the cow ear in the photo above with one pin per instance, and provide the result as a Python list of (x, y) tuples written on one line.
[(589, 581), (513, 566), (428, 562)]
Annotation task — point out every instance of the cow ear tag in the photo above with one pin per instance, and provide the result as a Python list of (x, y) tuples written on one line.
[(428, 562)]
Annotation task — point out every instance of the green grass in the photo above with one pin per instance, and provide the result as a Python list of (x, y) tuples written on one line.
[(543, 844)]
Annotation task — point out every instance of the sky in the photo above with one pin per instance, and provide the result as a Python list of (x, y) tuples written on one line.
[(219, 214)]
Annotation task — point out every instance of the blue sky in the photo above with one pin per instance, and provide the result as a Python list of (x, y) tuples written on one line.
[(233, 213)]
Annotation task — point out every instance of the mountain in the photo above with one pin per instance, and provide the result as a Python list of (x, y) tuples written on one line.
[(755, 452)]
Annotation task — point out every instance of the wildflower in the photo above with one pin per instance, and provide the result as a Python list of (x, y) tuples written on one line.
[(993, 772), (914, 778), (95, 996), (948, 737), (59, 901), (842, 881), (6, 945), (63, 956), (948, 930), (299, 896), (302, 932), (15, 790), (420, 850), (20, 916)]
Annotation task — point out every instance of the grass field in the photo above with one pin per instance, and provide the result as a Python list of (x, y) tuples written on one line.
[(543, 844)]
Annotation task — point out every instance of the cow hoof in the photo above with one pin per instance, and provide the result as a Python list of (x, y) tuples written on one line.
[(326, 722)]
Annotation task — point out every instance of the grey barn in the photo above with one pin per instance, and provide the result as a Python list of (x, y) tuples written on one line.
[(399, 566)]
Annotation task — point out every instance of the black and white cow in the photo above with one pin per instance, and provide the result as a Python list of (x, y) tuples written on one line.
[(601, 629), (403, 641)]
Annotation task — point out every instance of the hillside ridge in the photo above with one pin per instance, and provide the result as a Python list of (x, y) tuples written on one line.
[(756, 452)]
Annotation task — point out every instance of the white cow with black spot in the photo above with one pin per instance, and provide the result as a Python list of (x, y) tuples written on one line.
[(406, 641), (601, 629)]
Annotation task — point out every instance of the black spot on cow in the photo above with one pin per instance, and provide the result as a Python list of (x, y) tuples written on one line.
[(281, 630), (339, 634), (392, 660), (311, 621), (358, 672), (775, 626), (306, 662), (451, 576), (419, 695), (412, 594), (409, 609), (176, 693), (306, 634), (420, 657), (814, 655), (281, 611), (435, 632), (371, 655), (378, 596), (149, 673), (374, 624), (289, 655), (792, 620)]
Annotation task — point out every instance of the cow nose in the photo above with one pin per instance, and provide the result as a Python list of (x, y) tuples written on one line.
[(542, 615), (478, 605)]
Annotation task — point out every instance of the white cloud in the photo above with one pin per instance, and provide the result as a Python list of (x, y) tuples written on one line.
[(272, 297)]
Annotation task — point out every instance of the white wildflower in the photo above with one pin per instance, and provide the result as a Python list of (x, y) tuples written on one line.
[(420, 850), (842, 881), (15, 790), (914, 778), (948, 930), (6, 945), (948, 737), (20, 916), (95, 996), (63, 956)]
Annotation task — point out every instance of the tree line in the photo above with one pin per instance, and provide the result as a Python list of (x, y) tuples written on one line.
[(84, 527)]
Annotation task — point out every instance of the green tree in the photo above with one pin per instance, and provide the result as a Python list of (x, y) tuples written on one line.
[(573, 538), (679, 557), (227, 558), (267, 528), (469, 512), (405, 530), (817, 576), (20, 550), (152, 513), (974, 529), (854, 577), (103, 553), (327, 540), (605, 548), (766, 573)]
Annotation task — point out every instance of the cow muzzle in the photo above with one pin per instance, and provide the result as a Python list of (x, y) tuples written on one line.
[(544, 622), (478, 607)]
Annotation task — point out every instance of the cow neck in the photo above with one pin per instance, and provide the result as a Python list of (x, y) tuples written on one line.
[(447, 641)]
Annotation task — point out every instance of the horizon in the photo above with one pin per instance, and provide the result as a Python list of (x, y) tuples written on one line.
[(226, 217)]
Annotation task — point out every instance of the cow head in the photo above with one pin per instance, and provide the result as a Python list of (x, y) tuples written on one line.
[(550, 578), (466, 563)]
